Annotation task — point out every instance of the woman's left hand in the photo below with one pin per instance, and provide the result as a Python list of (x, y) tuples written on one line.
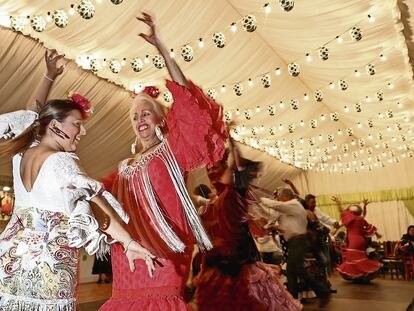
[(152, 38), (136, 251)]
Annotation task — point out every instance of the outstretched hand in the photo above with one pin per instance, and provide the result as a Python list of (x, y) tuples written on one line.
[(151, 38), (136, 251), (336, 199), (365, 202), (51, 58)]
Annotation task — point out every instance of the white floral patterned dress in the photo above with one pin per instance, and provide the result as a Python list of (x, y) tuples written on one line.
[(39, 249)]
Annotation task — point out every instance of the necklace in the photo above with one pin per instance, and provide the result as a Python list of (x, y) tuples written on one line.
[(153, 145)]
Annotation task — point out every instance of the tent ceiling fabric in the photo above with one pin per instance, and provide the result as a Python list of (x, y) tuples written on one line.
[(280, 38)]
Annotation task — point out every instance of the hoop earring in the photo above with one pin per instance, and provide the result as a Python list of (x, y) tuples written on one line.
[(159, 133), (134, 146)]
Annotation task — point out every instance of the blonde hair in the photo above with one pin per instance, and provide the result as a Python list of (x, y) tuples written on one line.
[(160, 110), (55, 109)]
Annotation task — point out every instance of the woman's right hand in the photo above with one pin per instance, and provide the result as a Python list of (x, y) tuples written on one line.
[(336, 199), (136, 251), (51, 59)]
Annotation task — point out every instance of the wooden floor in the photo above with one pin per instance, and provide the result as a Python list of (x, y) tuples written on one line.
[(381, 295)]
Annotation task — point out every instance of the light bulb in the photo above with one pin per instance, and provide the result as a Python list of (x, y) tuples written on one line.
[(200, 43), (233, 27), (371, 18)]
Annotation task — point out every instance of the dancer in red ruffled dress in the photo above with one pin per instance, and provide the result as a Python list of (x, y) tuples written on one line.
[(232, 275), (152, 189), (357, 266)]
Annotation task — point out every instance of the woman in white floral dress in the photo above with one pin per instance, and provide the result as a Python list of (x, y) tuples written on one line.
[(52, 217)]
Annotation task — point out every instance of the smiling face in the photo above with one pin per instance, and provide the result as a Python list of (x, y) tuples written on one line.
[(73, 127), (144, 119)]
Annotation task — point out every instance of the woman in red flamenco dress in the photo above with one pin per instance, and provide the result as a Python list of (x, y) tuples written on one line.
[(151, 187), (357, 266), (232, 276)]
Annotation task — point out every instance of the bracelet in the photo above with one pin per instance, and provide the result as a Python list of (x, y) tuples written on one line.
[(126, 247), (47, 78)]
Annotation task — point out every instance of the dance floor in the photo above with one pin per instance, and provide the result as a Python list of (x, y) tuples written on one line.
[(381, 295)]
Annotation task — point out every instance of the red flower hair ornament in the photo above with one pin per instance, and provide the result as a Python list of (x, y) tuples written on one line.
[(81, 102), (152, 91)]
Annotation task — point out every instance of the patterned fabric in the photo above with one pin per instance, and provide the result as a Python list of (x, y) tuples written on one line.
[(39, 268), (14, 123)]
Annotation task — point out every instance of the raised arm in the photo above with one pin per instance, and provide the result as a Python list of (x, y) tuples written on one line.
[(238, 160), (39, 96), (154, 39), (365, 203), (338, 203), (291, 185)]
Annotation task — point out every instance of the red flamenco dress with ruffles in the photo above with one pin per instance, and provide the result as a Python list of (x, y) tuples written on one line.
[(153, 198), (357, 266), (232, 276)]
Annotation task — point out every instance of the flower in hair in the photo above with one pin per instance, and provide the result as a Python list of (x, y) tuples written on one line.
[(151, 91), (82, 102)]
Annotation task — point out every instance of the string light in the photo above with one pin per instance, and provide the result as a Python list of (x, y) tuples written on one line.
[(172, 54), (233, 27), (308, 57), (339, 39), (357, 73), (306, 97), (278, 71), (72, 10), (383, 57), (371, 18), (267, 8), (250, 82), (200, 43)]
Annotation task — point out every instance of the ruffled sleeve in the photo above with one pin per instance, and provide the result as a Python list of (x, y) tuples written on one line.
[(369, 230), (14, 123), (196, 128), (78, 189)]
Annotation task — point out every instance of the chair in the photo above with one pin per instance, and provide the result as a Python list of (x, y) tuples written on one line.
[(408, 262), (390, 262)]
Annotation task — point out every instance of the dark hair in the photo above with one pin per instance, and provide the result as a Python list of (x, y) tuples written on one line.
[(303, 202), (309, 197), (408, 229), (55, 109), (202, 190)]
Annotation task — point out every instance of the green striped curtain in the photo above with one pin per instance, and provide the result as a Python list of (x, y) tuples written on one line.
[(406, 195)]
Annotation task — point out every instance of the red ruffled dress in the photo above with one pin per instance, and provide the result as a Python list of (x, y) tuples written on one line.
[(232, 276), (196, 138), (356, 264)]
